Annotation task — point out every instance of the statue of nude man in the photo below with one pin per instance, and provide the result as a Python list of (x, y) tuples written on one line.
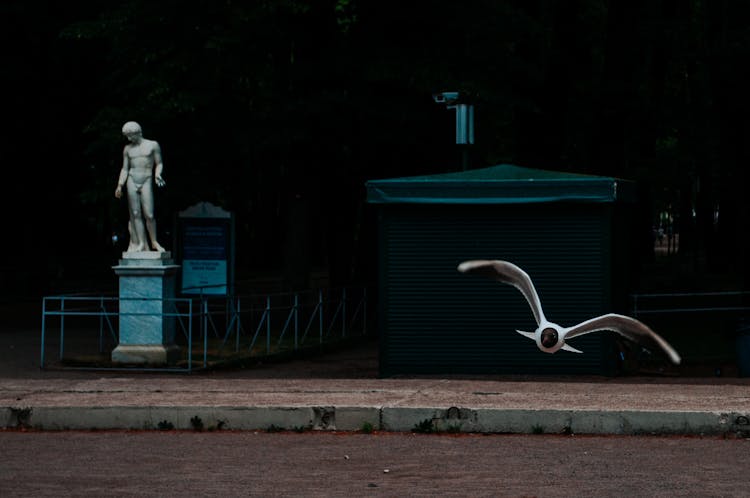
[(141, 168)]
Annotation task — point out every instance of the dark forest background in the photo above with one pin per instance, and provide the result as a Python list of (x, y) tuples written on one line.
[(280, 111)]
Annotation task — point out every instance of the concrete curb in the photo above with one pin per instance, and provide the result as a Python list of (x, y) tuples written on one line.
[(355, 418), (564, 421)]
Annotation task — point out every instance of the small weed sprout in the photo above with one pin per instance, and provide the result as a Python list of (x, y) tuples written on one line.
[(425, 427), (367, 428), (165, 425), (219, 425), (197, 423)]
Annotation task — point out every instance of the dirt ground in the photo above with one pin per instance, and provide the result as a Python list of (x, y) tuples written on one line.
[(310, 464)]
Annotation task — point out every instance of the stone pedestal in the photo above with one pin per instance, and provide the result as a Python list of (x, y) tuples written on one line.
[(147, 285)]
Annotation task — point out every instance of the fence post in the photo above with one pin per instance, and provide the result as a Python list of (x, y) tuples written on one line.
[(204, 314), (205, 332), (62, 326), (101, 325), (320, 316), (44, 317), (364, 310), (237, 326), (296, 320), (343, 313), (190, 336), (268, 324)]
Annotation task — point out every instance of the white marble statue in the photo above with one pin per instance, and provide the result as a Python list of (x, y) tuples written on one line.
[(141, 168)]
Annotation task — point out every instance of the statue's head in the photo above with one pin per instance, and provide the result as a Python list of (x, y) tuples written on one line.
[(131, 128)]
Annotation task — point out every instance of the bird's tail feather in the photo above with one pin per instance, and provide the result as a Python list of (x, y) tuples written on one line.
[(530, 335), (566, 347)]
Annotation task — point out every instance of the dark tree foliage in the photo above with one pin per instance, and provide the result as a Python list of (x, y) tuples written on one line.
[(280, 110)]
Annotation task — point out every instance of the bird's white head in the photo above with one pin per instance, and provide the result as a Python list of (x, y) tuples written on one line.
[(549, 338)]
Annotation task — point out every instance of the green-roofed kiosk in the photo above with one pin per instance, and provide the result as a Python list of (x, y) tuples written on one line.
[(567, 231)]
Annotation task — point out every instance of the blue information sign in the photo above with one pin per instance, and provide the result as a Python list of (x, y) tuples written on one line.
[(205, 251)]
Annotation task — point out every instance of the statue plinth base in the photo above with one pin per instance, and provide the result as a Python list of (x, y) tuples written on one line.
[(146, 354), (147, 322)]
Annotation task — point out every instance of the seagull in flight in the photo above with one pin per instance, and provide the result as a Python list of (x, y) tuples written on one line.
[(550, 337)]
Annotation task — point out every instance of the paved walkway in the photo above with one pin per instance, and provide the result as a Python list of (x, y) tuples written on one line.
[(602, 406), (341, 391)]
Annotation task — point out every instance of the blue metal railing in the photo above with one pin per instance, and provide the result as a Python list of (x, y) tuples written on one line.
[(105, 309), (689, 302), (249, 318)]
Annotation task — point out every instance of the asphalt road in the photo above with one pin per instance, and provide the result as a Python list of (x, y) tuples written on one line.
[(316, 464)]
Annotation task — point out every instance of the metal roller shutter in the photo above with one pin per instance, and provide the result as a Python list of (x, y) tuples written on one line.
[(435, 320)]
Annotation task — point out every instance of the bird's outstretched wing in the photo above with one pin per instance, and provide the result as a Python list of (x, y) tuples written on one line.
[(624, 325), (507, 273)]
